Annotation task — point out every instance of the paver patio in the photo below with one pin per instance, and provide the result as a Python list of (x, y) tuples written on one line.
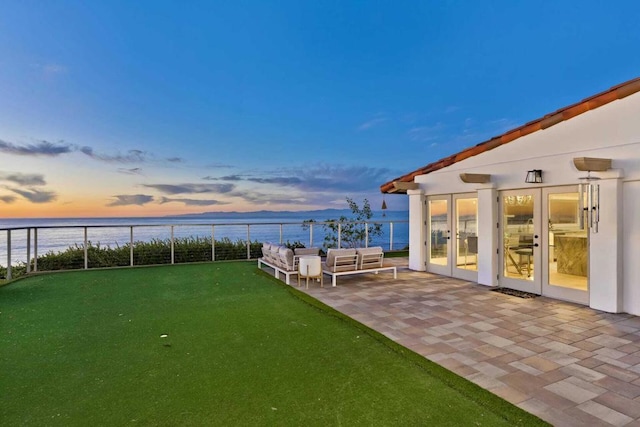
[(566, 363)]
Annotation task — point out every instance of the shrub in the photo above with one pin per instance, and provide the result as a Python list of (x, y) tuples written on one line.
[(155, 251), (352, 232)]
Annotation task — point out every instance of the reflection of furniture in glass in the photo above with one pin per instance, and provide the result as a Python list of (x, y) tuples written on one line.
[(525, 240), (511, 243), (470, 248), (521, 245), (525, 252), (310, 266), (525, 248)]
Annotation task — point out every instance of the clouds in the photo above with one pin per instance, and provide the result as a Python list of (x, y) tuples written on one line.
[(23, 179), (132, 156), (132, 171), (193, 202), (378, 120), (285, 180), (130, 199), (36, 196), (224, 178), (29, 194), (45, 148), (263, 198), (172, 189), (40, 148), (321, 178), (316, 185), (320, 185), (8, 199), (426, 133)]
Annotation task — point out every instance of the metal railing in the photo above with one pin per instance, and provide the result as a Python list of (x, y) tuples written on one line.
[(32, 249)]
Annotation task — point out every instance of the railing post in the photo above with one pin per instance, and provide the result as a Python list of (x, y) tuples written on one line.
[(28, 250), (339, 235), (366, 235), (310, 234), (131, 246), (391, 236), (172, 247), (280, 233), (35, 249), (8, 254), (86, 250), (248, 242), (213, 242)]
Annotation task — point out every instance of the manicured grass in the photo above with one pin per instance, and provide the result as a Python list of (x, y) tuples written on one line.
[(396, 254), (86, 348)]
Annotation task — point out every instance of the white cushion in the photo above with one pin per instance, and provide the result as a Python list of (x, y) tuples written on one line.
[(286, 257), (368, 251), (333, 253)]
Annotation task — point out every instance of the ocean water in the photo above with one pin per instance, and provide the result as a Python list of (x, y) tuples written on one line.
[(58, 234)]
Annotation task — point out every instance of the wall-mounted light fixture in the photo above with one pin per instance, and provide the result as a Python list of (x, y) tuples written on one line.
[(475, 178), (592, 164), (534, 176)]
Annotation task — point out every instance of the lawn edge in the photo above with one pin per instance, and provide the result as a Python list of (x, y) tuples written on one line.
[(481, 396)]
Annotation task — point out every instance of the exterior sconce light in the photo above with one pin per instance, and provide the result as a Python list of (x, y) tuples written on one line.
[(475, 178), (534, 176), (592, 164)]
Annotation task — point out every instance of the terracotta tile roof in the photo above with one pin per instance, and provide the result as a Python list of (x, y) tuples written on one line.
[(617, 92)]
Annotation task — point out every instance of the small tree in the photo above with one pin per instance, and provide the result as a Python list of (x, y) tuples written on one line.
[(352, 232)]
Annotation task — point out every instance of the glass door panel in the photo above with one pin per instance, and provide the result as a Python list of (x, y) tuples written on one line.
[(567, 251), (439, 231), (466, 220), (440, 235), (520, 221)]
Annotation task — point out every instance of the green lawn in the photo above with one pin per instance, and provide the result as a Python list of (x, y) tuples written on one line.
[(86, 348)]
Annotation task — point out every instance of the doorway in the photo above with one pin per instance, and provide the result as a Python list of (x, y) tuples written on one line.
[(453, 243), (544, 245)]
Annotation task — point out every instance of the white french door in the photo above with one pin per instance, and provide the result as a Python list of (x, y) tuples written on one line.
[(544, 246), (520, 231), (465, 230), (439, 232), (453, 243), (565, 252)]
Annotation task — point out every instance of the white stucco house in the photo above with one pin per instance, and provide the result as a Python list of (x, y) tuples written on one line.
[(551, 207)]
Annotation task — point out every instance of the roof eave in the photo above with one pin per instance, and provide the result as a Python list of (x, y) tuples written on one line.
[(616, 92)]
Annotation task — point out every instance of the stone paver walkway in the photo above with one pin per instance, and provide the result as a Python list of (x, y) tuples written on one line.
[(566, 363)]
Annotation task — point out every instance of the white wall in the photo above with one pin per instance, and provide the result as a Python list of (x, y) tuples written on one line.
[(417, 248), (611, 131), (631, 248), (605, 250), (487, 239)]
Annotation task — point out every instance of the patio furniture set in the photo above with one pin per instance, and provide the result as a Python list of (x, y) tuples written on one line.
[(307, 262)]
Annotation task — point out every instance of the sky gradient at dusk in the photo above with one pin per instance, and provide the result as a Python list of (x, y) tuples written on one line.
[(122, 108)]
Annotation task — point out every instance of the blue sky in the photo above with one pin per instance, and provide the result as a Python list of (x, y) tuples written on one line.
[(121, 108)]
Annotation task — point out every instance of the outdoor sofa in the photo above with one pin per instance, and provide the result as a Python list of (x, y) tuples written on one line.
[(343, 262), (283, 260)]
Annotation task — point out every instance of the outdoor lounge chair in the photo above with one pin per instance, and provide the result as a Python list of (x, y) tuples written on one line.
[(342, 262)]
